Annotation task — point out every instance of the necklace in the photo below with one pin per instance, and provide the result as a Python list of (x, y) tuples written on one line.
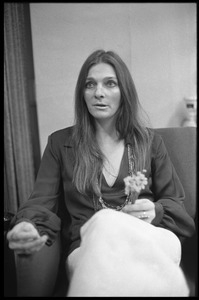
[(102, 202)]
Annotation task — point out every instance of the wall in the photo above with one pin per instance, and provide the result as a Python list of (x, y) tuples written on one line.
[(157, 42)]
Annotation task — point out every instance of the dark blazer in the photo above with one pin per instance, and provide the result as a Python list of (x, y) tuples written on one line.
[(56, 205)]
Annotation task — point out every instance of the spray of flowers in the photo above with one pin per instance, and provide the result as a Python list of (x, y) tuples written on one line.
[(134, 184)]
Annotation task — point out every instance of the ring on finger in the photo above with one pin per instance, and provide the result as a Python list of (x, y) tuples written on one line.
[(143, 216)]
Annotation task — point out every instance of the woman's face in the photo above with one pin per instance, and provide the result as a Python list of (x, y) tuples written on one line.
[(102, 94)]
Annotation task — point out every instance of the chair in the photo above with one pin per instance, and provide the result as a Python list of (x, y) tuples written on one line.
[(181, 146)]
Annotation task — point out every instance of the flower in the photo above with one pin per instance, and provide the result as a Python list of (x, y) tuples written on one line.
[(135, 183)]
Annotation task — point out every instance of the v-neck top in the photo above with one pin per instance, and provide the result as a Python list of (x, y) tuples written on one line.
[(55, 204), (115, 195)]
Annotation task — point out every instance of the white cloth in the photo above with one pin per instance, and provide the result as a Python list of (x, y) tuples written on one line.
[(121, 255)]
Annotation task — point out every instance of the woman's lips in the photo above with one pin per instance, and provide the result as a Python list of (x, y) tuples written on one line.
[(101, 106)]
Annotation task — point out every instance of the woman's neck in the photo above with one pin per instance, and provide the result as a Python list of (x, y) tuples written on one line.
[(112, 148), (106, 132), (108, 138)]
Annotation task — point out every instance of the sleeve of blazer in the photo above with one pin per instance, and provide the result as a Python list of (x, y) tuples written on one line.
[(42, 206), (168, 193)]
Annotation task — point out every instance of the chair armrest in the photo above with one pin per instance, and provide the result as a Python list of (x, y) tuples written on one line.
[(37, 273)]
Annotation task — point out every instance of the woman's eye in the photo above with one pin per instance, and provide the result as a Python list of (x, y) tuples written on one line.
[(89, 85), (111, 83)]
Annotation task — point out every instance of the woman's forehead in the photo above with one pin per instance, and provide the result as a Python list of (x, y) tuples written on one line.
[(101, 69)]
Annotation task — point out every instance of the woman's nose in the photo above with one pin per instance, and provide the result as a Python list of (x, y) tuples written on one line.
[(99, 92)]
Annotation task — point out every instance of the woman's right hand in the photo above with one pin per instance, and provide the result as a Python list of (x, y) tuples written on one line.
[(24, 238)]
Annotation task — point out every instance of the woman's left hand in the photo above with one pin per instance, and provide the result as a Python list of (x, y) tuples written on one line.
[(143, 209)]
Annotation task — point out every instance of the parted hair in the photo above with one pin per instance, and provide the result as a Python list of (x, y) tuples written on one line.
[(88, 157)]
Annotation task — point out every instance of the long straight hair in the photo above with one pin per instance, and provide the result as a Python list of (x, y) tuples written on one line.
[(88, 157)]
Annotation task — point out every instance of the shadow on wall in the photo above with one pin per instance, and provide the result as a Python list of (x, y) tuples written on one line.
[(178, 116)]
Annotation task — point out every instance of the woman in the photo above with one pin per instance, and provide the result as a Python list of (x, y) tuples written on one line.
[(123, 250)]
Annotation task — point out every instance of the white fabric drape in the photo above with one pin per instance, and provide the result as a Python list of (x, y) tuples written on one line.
[(123, 256)]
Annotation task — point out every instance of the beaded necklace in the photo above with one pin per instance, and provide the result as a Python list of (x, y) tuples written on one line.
[(101, 203)]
